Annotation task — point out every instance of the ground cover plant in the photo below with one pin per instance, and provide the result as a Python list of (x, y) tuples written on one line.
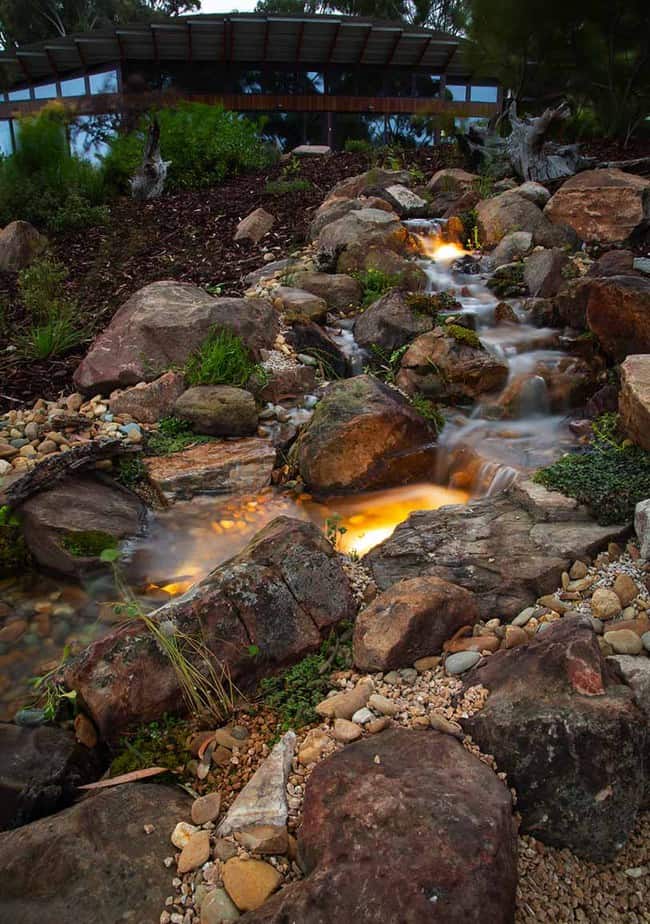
[(222, 359)]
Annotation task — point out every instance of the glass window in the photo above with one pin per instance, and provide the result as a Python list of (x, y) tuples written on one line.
[(6, 146), (315, 82), (74, 87), (89, 136), (17, 95), (427, 85), (103, 83), (249, 82), (46, 91), (455, 91), (483, 94)]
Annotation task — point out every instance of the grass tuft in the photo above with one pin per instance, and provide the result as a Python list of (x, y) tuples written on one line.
[(222, 359)]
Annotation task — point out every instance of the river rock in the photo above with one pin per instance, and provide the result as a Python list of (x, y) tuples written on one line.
[(605, 604), (206, 808), (513, 245), (602, 205), (634, 400), (218, 410), (363, 228), (195, 853), (40, 770), (534, 192), (335, 207), (94, 858), (450, 368), (362, 434), (344, 705), (217, 908), (310, 339), (625, 589), (624, 641), (389, 323), (358, 185), (254, 226), (282, 594), (410, 620), (508, 549), (71, 509), (543, 274), (405, 800), (263, 801), (570, 738), (642, 527), (338, 290), (618, 313), (20, 243), (359, 258), (406, 203), (300, 305), (161, 325), (500, 215), (345, 731), (241, 466), (250, 882), (461, 661), (147, 402), (613, 263)]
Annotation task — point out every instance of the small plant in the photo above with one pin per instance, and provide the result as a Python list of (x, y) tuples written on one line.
[(610, 476), (358, 146), (430, 411), (51, 695), (484, 185), (296, 692), (386, 365), (375, 283), (157, 744), (215, 289), (222, 359), (41, 287), (333, 530), (463, 335), (89, 543), (14, 554), (288, 187), (131, 471), (53, 329), (172, 435), (54, 337)]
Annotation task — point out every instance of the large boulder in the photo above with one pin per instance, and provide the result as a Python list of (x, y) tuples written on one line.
[(452, 180), (618, 313), (65, 526), (282, 594), (510, 248), (218, 410), (601, 205), (410, 620), (510, 212), (364, 228), (543, 272), (508, 549), (147, 402), (362, 434), (40, 770), (334, 208), (450, 364), (161, 326), (20, 243), (358, 258), (390, 322), (634, 399), (407, 827), (569, 736), (94, 861), (338, 290), (218, 467), (354, 186)]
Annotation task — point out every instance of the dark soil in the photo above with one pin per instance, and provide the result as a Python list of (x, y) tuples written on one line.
[(187, 236)]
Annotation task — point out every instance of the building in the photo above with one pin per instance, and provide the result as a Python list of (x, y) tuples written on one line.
[(319, 79)]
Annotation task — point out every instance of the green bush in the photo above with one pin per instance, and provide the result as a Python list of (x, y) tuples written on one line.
[(375, 283), (610, 476), (52, 337), (44, 184), (222, 359), (204, 143), (172, 435)]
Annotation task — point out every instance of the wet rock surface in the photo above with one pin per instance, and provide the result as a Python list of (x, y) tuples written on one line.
[(389, 323)]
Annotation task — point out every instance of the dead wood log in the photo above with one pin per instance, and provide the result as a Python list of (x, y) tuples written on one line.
[(149, 180)]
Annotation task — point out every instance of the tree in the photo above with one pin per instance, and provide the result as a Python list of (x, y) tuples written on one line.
[(446, 15)]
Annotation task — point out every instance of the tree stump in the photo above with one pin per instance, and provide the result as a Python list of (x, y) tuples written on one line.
[(149, 181)]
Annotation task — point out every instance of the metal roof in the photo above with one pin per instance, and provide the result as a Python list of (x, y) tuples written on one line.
[(241, 37)]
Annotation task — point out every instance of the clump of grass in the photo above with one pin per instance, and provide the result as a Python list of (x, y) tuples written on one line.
[(87, 543), (375, 283), (222, 359), (54, 337), (172, 435), (157, 744), (386, 365), (430, 411), (610, 476), (508, 281), (53, 327), (358, 146), (463, 335), (287, 187), (295, 693)]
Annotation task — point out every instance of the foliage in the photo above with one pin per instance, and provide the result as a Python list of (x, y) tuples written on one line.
[(358, 146), (53, 327), (14, 554), (55, 336), (131, 470), (430, 411), (157, 744), (508, 281), (204, 144), (172, 435), (447, 15), (375, 283), (333, 530), (610, 476), (46, 185), (386, 365), (295, 693), (287, 187), (40, 286), (463, 335), (51, 695), (432, 303), (87, 543), (222, 359)]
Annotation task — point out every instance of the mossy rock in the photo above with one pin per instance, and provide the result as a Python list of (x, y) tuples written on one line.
[(87, 543), (14, 554), (464, 335)]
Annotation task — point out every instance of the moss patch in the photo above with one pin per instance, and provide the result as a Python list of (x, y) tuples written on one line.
[(158, 744), (88, 543), (463, 335), (432, 304), (508, 281)]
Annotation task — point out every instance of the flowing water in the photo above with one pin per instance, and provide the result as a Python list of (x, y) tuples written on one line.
[(478, 455)]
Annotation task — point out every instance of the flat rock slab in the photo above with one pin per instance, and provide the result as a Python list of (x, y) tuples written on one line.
[(93, 863), (509, 549), (241, 466), (404, 827)]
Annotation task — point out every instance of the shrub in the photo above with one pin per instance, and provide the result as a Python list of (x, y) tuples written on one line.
[(222, 359), (53, 329), (204, 143), (41, 286), (46, 185), (386, 365), (375, 283), (172, 435), (609, 476), (287, 187)]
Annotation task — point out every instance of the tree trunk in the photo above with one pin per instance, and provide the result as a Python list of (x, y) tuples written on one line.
[(149, 181)]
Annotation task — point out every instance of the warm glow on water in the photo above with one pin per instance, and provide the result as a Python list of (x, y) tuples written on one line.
[(433, 247)]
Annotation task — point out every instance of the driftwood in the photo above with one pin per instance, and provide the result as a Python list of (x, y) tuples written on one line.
[(149, 181), (54, 468)]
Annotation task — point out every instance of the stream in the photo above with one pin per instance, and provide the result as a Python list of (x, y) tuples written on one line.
[(478, 456)]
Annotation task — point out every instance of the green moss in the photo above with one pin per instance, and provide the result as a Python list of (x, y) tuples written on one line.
[(158, 744), (432, 304), (508, 281), (88, 543), (463, 335), (287, 187), (296, 692), (430, 411), (610, 476), (14, 554), (130, 470), (172, 435)]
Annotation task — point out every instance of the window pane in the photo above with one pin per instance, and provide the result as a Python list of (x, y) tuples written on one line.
[(5, 138), (18, 95), (103, 83), (483, 94), (427, 85), (47, 91), (315, 82), (89, 136), (73, 87), (457, 91)]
